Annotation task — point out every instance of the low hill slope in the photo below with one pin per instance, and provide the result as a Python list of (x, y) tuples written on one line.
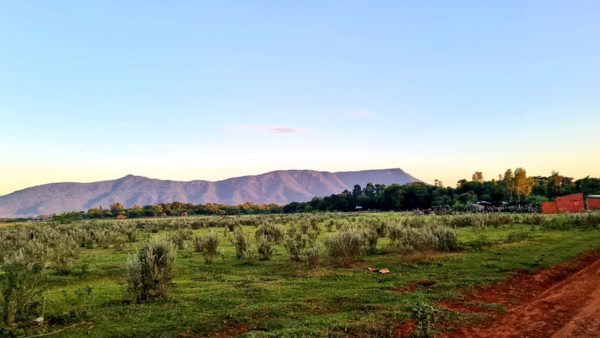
[(279, 187)]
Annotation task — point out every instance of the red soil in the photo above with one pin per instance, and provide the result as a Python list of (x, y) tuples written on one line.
[(560, 302)]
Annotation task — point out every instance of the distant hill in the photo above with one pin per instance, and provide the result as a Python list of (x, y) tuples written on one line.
[(281, 187)]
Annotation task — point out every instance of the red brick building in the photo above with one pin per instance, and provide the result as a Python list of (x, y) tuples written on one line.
[(549, 208), (570, 203), (593, 202)]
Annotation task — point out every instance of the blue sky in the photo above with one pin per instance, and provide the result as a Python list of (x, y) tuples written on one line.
[(96, 90)]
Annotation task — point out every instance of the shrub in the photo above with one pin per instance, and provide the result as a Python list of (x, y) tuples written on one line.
[(432, 237), (179, 236), (273, 233), (415, 221), (250, 255), (329, 225), (265, 251), (20, 287), (239, 240), (379, 226), (302, 248), (478, 223), (586, 220), (426, 317), (63, 251), (150, 271), (346, 246), (559, 222), (207, 244), (371, 236)]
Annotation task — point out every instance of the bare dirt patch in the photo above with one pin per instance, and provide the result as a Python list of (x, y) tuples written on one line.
[(560, 302)]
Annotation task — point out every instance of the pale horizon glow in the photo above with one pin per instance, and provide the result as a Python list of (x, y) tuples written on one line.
[(93, 91)]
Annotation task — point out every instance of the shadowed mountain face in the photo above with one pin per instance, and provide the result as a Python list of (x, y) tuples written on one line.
[(279, 187)]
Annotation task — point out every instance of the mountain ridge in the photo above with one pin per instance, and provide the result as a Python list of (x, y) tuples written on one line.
[(279, 186)]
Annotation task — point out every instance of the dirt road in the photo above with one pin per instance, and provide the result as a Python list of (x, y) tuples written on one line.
[(560, 302)]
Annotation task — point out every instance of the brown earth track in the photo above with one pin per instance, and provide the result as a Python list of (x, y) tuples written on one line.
[(560, 302)]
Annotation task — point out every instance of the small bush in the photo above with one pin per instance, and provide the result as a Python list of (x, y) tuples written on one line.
[(426, 317), (20, 287), (346, 246), (302, 248), (415, 221), (240, 241), (150, 271), (63, 252), (251, 254), (179, 236), (265, 251), (208, 245), (558, 222), (273, 233), (329, 225), (432, 237), (371, 236)]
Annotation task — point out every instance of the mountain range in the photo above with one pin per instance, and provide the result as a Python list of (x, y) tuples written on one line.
[(280, 187)]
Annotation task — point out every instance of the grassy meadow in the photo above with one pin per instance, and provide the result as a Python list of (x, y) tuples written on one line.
[(277, 298)]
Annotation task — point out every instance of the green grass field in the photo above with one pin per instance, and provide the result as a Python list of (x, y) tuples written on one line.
[(277, 298)]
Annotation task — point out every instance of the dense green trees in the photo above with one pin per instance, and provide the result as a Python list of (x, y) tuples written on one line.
[(513, 186)]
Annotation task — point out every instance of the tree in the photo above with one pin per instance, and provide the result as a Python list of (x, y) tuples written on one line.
[(522, 183), (588, 185), (392, 197), (438, 183), (379, 188), (478, 177), (369, 190), (554, 183), (357, 191), (116, 208), (509, 184), (157, 209)]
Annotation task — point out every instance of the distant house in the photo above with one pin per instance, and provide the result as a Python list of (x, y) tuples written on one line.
[(569, 203), (549, 208), (184, 214), (593, 202), (121, 217), (163, 215)]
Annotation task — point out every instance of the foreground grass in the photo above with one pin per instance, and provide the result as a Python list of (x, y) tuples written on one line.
[(276, 298)]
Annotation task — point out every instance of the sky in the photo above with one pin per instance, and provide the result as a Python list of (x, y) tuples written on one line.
[(185, 90)]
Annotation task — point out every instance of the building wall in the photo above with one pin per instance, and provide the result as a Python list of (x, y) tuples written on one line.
[(593, 203), (570, 203), (549, 208)]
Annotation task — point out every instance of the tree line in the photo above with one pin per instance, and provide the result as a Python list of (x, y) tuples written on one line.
[(511, 187)]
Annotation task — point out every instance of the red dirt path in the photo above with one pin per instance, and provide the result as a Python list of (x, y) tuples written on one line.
[(560, 302)]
